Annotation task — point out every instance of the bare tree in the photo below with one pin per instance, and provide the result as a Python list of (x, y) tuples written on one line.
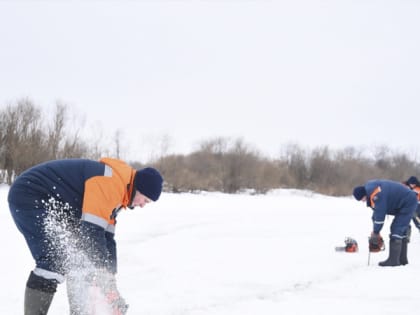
[(117, 139), (56, 130), (22, 138), (25, 140), (295, 158)]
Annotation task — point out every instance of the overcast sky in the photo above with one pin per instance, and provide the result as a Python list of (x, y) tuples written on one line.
[(313, 72)]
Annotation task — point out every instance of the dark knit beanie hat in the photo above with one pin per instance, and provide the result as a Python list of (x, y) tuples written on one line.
[(359, 192), (149, 182), (413, 181)]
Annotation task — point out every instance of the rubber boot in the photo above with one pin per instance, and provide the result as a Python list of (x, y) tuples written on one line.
[(37, 302), (403, 256), (394, 253)]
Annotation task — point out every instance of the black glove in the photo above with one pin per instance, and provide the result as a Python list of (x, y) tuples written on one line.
[(376, 242)]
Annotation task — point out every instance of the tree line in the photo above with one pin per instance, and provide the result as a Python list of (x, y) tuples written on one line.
[(227, 165)]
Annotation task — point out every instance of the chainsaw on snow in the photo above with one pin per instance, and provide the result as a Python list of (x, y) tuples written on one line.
[(350, 246)]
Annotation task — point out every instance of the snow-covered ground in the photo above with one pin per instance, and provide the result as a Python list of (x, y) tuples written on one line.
[(218, 254)]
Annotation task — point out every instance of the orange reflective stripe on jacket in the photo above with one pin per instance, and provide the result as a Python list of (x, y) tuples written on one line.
[(373, 195), (417, 190), (104, 194)]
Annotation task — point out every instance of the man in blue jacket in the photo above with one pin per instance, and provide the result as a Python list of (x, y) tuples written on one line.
[(66, 210), (389, 197), (394, 198)]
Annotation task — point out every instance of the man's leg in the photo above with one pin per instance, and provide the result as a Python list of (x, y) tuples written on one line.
[(400, 229), (42, 283)]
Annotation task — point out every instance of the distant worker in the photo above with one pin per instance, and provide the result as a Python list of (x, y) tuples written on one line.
[(414, 184), (393, 198)]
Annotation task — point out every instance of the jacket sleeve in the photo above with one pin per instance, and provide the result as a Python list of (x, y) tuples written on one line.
[(97, 224), (101, 198), (94, 244), (99, 246), (380, 208), (112, 252)]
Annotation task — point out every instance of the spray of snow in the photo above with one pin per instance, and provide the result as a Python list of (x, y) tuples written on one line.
[(66, 246)]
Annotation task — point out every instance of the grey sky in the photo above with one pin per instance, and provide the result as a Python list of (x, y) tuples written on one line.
[(314, 72)]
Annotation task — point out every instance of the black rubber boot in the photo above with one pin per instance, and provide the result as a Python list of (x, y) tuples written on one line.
[(395, 246), (38, 294), (403, 256), (37, 302)]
